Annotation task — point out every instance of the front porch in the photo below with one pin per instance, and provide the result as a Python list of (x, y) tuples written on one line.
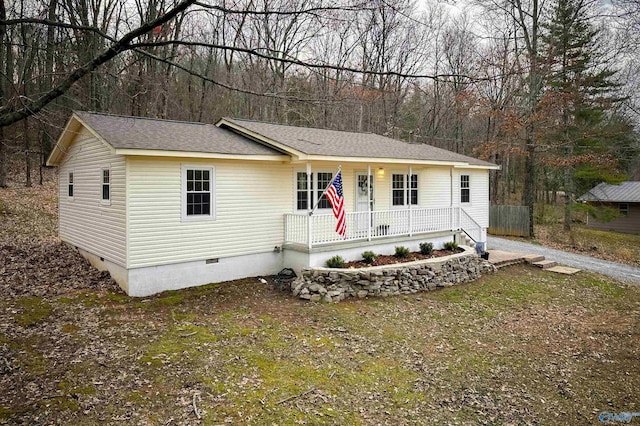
[(306, 232)]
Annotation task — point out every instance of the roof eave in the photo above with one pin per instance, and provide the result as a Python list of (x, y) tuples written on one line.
[(71, 130), (387, 160), (196, 154), (481, 166)]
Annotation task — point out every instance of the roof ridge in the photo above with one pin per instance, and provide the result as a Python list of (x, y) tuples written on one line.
[(304, 127), (137, 117)]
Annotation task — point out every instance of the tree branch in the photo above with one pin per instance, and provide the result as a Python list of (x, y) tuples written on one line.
[(358, 7), (9, 115), (305, 64)]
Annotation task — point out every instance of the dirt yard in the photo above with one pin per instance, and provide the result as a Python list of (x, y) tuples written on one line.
[(518, 347)]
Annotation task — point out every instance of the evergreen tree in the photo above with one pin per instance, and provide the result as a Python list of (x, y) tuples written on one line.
[(580, 94)]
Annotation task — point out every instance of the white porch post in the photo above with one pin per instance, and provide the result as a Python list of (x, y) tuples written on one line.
[(309, 207), (369, 212), (451, 198), (409, 181)]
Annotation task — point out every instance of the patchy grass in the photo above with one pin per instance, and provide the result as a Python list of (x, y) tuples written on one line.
[(613, 246), (520, 346), (33, 310)]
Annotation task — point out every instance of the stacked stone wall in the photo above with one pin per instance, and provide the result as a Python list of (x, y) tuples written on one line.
[(334, 285)]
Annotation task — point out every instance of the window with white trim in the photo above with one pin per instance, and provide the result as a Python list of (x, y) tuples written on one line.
[(301, 191), (324, 179), (197, 190), (319, 182), (398, 189), (70, 185), (106, 185), (624, 209), (465, 189)]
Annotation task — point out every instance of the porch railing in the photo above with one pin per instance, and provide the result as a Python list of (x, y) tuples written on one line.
[(378, 224)]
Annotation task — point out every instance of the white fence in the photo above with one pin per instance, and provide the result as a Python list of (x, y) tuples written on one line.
[(378, 224)]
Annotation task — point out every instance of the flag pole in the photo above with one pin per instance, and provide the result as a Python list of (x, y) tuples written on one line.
[(325, 191)]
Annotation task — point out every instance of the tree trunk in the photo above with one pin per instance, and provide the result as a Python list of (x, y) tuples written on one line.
[(3, 160), (27, 158), (529, 177)]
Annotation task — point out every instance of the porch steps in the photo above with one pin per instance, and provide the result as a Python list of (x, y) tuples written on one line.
[(531, 258), (466, 241), (500, 259), (545, 264)]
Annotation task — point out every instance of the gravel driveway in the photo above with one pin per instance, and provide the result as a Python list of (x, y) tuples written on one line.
[(588, 263)]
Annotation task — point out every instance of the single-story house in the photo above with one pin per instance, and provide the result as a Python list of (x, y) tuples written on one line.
[(624, 197), (165, 204)]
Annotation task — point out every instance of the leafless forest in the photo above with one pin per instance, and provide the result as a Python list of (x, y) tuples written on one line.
[(549, 89)]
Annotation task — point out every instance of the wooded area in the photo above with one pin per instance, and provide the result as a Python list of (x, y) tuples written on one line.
[(547, 89)]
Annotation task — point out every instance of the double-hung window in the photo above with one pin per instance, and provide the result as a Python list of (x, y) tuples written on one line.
[(106, 185), (465, 189), (197, 190), (318, 183), (302, 201), (399, 189), (70, 185), (324, 179)]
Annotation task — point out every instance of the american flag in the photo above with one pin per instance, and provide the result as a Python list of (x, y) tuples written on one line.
[(336, 198)]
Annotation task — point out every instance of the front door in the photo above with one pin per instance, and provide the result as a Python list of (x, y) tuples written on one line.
[(365, 200)]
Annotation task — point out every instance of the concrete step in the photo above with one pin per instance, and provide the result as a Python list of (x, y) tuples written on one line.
[(532, 258), (545, 264), (500, 258), (563, 270)]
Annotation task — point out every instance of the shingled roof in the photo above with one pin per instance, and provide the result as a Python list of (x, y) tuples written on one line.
[(125, 132), (335, 143), (265, 141), (626, 192)]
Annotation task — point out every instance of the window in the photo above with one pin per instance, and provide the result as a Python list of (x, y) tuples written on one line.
[(319, 183), (414, 190), (106, 185), (465, 195), (197, 187), (70, 185), (398, 189), (301, 191), (324, 179), (624, 209)]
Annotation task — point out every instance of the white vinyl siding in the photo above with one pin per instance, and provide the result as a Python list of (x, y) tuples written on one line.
[(434, 186), (478, 205), (84, 220), (251, 198)]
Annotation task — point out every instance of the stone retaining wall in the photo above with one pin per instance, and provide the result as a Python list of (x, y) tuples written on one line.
[(334, 285)]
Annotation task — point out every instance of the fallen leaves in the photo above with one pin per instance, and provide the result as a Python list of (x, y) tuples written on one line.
[(517, 347)]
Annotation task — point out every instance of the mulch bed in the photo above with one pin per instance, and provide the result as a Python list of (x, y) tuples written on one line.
[(391, 259)]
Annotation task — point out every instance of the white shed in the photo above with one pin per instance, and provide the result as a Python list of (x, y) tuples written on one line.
[(165, 204)]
